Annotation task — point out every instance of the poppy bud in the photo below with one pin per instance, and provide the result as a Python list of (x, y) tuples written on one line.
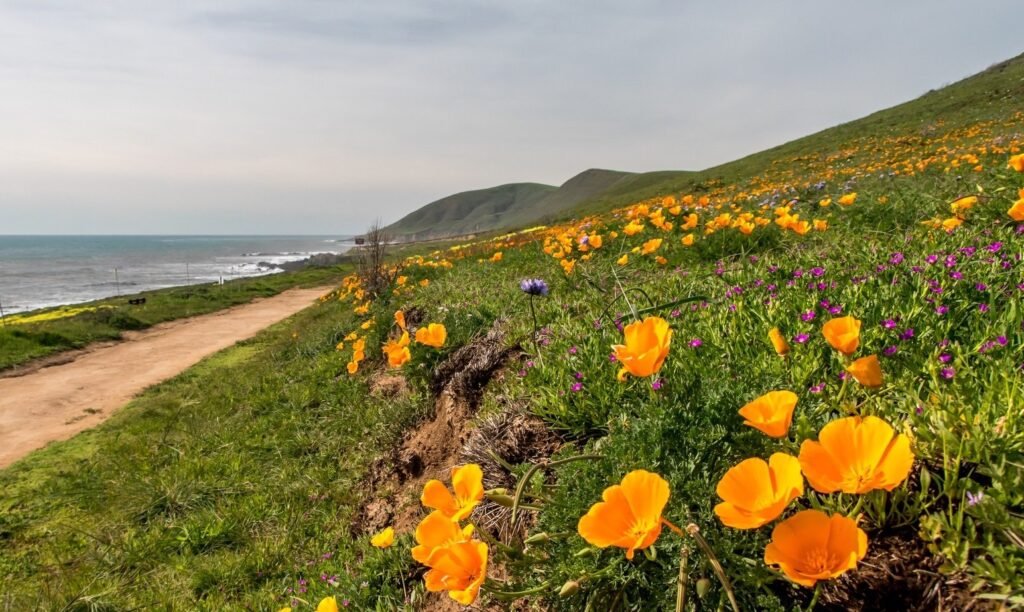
[(538, 538), (501, 500), (703, 586), (571, 587)]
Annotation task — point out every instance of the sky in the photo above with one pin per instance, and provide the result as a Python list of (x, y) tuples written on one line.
[(320, 116)]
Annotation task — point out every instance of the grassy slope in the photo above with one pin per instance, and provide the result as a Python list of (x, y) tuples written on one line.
[(468, 211), (108, 318), (583, 186), (992, 93), (234, 485)]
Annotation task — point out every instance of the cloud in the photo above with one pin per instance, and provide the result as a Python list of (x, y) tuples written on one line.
[(307, 116)]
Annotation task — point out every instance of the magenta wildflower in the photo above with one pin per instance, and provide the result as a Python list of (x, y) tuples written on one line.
[(889, 351), (577, 387), (948, 373), (801, 338), (696, 342), (973, 499), (808, 316)]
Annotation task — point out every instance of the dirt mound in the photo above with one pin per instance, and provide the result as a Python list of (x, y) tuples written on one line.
[(899, 574), (500, 442), (433, 448)]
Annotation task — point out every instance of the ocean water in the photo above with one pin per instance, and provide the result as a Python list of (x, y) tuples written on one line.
[(41, 271)]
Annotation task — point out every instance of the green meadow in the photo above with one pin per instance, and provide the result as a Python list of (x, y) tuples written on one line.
[(247, 482)]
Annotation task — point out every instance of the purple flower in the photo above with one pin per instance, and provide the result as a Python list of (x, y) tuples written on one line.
[(534, 286), (573, 350), (577, 387), (982, 307), (696, 342), (889, 323), (948, 373), (889, 351), (994, 247), (835, 309), (945, 358), (896, 259), (675, 313), (941, 309), (981, 286), (932, 259), (907, 334), (801, 338), (818, 388), (817, 271), (807, 316), (578, 375), (658, 384), (973, 499)]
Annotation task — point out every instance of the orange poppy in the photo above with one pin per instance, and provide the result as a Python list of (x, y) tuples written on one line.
[(434, 334), (1017, 163), (467, 481), (843, 334), (630, 515), (400, 319), (353, 367), (755, 492), (497, 256), (867, 371), (848, 199), (595, 241), (646, 347), (435, 531), (623, 260), (651, 246), (1016, 211), (771, 414), (778, 342), (811, 546), (856, 455), (688, 240), (460, 569)]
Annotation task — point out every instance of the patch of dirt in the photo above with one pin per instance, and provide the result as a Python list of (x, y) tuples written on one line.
[(432, 449), (388, 385), (899, 574), (509, 438)]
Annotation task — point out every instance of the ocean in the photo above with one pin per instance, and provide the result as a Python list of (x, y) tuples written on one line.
[(42, 271)]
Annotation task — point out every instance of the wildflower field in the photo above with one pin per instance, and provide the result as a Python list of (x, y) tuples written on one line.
[(792, 382)]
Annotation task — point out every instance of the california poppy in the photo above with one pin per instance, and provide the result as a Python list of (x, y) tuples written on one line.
[(327, 604), (771, 414), (867, 371), (848, 199), (1016, 211), (778, 342), (755, 492), (651, 246), (630, 514), (646, 347), (623, 260), (811, 546), (434, 334), (1017, 162), (400, 319), (459, 568), (856, 455), (467, 481), (435, 531), (383, 538), (843, 334)]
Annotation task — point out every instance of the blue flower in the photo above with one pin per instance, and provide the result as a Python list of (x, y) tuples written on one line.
[(534, 286)]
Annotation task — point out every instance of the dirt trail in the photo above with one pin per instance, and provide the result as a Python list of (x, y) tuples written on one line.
[(58, 401)]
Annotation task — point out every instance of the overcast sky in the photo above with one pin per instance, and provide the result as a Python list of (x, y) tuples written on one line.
[(309, 116)]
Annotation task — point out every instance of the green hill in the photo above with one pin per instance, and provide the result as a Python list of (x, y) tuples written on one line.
[(504, 206), (467, 212), (988, 95)]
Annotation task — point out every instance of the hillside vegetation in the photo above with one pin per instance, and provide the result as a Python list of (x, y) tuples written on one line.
[(792, 382)]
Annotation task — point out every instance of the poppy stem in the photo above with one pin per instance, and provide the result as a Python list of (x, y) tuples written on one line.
[(684, 577), (676, 530), (814, 598), (694, 531)]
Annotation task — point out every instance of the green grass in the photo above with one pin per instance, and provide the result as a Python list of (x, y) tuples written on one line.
[(227, 487), (106, 319)]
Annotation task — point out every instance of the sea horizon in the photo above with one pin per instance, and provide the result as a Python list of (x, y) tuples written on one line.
[(48, 270)]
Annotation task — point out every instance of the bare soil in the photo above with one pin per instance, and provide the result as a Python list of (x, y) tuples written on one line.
[(61, 396)]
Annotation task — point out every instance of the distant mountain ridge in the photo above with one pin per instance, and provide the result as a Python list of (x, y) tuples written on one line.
[(503, 206)]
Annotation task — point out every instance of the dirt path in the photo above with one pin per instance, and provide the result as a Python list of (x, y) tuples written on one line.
[(56, 402)]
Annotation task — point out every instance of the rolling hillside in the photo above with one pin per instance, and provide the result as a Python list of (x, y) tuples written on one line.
[(505, 206)]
